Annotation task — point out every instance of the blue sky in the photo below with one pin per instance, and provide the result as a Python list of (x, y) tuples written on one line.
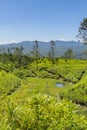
[(40, 19)]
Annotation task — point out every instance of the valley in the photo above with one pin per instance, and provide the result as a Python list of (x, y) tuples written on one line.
[(36, 83)]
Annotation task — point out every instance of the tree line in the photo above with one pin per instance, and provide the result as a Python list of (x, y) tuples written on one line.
[(15, 55)]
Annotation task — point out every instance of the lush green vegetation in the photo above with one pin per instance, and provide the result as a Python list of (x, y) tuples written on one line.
[(8, 83), (42, 112), (78, 92), (29, 99), (70, 71)]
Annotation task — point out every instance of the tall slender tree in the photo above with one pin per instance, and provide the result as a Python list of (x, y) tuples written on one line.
[(52, 51), (83, 30), (36, 52), (18, 55)]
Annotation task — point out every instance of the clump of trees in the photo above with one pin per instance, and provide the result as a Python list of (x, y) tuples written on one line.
[(68, 54), (15, 56)]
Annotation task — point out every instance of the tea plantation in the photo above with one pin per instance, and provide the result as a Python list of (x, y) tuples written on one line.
[(30, 100)]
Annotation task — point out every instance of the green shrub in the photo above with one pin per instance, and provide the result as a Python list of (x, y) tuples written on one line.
[(42, 112), (8, 82), (77, 92)]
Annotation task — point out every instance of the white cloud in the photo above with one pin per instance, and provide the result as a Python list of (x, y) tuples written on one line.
[(65, 39), (13, 41), (61, 39), (3, 42), (7, 42)]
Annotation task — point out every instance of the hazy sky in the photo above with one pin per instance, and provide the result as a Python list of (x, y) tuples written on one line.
[(40, 19)]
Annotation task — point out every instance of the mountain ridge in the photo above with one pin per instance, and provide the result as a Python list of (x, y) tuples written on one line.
[(44, 47)]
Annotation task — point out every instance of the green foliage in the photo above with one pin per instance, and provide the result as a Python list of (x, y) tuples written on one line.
[(21, 108), (83, 30), (22, 73), (68, 54), (70, 71), (78, 92), (8, 83), (42, 112), (6, 67)]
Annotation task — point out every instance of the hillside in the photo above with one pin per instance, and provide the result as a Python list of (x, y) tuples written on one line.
[(30, 99)]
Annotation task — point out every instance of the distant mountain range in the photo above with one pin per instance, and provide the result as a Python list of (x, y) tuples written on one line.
[(44, 47)]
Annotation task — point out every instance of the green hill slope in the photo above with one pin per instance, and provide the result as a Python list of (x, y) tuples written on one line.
[(78, 92)]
